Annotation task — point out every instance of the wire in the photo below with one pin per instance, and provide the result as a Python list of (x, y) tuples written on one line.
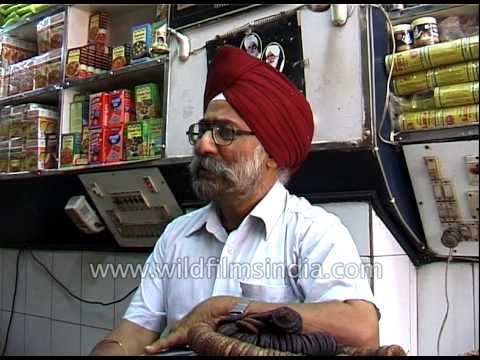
[(389, 79), (448, 303), (13, 303), (75, 296)]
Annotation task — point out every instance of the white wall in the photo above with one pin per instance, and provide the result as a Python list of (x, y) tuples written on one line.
[(460, 333)]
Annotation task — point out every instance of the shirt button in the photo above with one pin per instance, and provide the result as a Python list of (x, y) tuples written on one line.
[(230, 251)]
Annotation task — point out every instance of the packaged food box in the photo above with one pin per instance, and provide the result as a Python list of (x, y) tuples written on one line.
[(4, 78), (76, 57), (122, 108), (147, 101), (18, 109), (4, 128), (136, 140), (43, 40), (39, 122), (156, 141), (4, 156), (54, 75), (36, 106), (17, 159), (114, 144), (51, 157), (96, 153), (78, 116), (81, 97), (70, 149), (40, 71), (55, 30), (41, 153), (98, 109), (26, 75), (98, 28), (141, 41), (14, 50), (120, 56), (17, 127), (34, 159)]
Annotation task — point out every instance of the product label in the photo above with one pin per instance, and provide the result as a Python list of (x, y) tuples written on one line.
[(140, 35)]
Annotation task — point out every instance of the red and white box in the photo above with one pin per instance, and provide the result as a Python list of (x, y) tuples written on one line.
[(99, 109), (122, 108), (113, 144)]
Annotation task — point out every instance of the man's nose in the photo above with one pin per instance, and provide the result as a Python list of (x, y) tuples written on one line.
[(206, 145)]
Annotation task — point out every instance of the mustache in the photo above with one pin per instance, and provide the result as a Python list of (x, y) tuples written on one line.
[(211, 164)]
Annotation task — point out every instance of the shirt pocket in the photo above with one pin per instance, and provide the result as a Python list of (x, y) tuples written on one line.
[(268, 293)]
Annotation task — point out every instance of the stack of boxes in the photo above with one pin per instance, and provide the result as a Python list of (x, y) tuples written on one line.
[(109, 127), (96, 56), (109, 114), (31, 143), (145, 137)]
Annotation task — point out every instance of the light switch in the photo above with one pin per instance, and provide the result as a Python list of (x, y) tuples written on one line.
[(448, 190), (442, 211), (437, 191), (433, 167), (452, 210), (471, 162), (472, 199)]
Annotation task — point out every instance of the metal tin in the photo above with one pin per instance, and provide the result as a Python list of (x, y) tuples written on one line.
[(405, 62), (403, 37), (417, 102), (453, 74), (451, 52), (456, 95), (425, 31), (410, 83), (460, 115), (418, 120)]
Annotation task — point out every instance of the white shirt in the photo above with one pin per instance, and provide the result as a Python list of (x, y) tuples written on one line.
[(255, 255)]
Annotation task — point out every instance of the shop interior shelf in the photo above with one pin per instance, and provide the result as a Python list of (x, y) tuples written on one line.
[(26, 29), (409, 14), (47, 95), (149, 71), (124, 165), (453, 133)]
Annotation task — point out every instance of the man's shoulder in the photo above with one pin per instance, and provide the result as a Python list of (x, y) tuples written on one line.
[(304, 209)]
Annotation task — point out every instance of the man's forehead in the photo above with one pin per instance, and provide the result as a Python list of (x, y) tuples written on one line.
[(221, 109)]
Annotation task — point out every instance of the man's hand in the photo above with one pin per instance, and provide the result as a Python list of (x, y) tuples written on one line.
[(209, 309)]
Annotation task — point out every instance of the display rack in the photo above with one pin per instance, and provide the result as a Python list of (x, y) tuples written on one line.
[(123, 17), (20, 28)]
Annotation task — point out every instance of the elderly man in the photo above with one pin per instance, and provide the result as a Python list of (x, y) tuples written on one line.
[(257, 130)]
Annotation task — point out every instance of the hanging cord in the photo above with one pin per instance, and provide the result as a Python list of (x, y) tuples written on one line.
[(13, 302), (446, 299), (73, 295), (389, 79)]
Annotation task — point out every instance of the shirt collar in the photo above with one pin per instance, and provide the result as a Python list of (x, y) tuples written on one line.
[(210, 221), (271, 207), (268, 210)]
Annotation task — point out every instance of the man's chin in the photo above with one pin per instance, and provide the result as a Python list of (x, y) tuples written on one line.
[(204, 190)]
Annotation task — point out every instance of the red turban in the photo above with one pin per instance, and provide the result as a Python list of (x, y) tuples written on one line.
[(275, 110)]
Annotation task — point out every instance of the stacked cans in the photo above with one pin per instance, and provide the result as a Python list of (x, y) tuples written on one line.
[(436, 85)]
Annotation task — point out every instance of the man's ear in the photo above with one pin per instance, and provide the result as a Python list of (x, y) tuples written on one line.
[(271, 163)]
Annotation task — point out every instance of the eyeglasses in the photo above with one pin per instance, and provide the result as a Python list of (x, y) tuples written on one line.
[(223, 133)]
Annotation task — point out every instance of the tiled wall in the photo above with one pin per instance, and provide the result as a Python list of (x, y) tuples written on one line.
[(410, 298), (53, 322)]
